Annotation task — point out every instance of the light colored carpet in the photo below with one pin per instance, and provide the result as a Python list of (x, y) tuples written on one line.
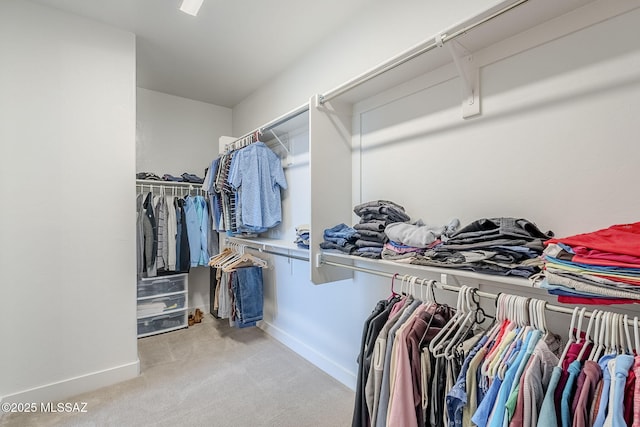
[(211, 375)]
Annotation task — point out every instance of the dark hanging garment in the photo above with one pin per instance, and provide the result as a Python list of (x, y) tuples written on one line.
[(183, 254), (150, 234), (360, 412)]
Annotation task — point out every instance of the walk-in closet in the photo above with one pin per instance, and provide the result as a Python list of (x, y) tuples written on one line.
[(357, 212)]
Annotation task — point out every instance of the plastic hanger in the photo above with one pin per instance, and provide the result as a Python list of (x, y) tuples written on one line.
[(543, 317), (422, 292), (245, 260), (597, 317), (412, 286), (625, 326), (571, 339), (607, 333), (616, 344), (225, 252), (597, 349), (393, 292), (578, 333), (587, 337), (636, 334), (465, 326), (521, 306), (437, 342)]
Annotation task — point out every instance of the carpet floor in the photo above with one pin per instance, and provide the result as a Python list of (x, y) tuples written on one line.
[(211, 375)]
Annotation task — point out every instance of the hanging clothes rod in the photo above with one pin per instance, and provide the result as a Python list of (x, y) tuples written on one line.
[(264, 251), (273, 123), (488, 295), (166, 183), (412, 53)]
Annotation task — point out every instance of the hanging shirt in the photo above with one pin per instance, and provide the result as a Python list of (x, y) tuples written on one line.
[(606, 384), (374, 380), (172, 230), (257, 176), (383, 404), (567, 394), (499, 411), (585, 399), (535, 381), (456, 398), (548, 415), (197, 222), (512, 396), (636, 394), (615, 417)]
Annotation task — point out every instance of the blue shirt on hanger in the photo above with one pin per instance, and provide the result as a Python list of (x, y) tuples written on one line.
[(256, 174)]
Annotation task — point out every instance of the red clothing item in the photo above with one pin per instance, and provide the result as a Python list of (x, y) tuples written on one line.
[(618, 239), (597, 257), (629, 389), (594, 301)]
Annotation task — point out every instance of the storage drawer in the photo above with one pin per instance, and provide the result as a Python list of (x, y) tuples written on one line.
[(162, 323), (153, 306), (161, 285)]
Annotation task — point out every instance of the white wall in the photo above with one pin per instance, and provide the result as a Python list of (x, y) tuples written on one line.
[(554, 144), (373, 35), (67, 249), (176, 135)]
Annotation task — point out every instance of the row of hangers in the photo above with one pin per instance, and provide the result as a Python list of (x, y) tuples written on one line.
[(525, 313), (171, 190), (467, 316), (606, 332), (244, 141), (233, 257)]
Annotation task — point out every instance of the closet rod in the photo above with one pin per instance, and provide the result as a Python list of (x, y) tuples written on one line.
[(488, 295), (166, 183), (264, 251), (275, 122), (412, 53)]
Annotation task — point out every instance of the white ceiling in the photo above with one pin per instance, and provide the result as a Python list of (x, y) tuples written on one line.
[(225, 53)]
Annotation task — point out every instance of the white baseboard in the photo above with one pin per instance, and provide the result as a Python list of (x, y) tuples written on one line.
[(54, 392), (329, 366)]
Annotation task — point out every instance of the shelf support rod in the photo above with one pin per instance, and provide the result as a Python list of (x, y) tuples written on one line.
[(289, 160), (469, 76), (278, 139)]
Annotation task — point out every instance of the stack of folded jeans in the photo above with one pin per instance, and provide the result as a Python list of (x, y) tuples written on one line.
[(189, 177), (340, 237), (375, 216), (302, 236), (502, 246), (407, 240)]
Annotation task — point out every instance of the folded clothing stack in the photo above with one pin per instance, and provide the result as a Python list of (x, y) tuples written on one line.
[(601, 267), (407, 240), (340, 237), (148, 176), (302, 236), (375, 216), (502, 246), (185, 177)]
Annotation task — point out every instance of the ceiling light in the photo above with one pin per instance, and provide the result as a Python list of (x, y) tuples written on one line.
[(191, 6)]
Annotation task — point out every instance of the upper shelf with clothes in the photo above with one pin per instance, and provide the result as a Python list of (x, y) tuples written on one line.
[(336, 148)]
